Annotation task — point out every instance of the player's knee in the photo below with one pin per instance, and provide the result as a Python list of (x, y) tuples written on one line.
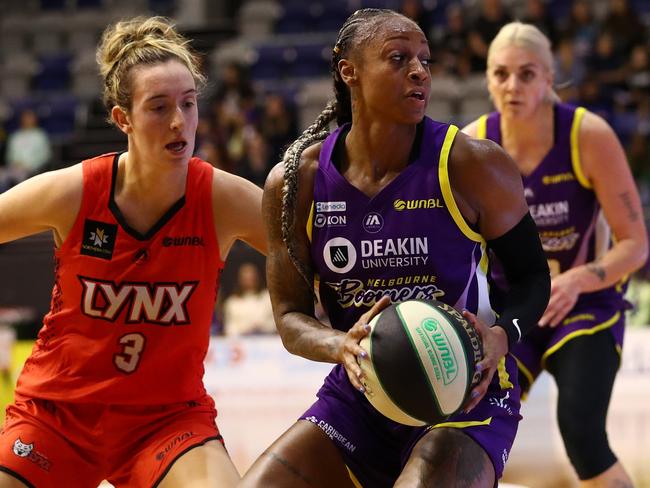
[(437, 446), (586, 443), (443, 449)]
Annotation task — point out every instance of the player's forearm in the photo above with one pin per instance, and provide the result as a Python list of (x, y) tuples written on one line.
[(624, 258), (305, 336), (521, 254)]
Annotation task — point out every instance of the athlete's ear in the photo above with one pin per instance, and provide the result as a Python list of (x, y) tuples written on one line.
[(348, 72), (121, 119)]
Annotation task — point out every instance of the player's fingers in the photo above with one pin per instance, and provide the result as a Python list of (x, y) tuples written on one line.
[(559, 315), (476, 322), (381, 304), (478, 392), (550, 312), (556, 311), (359, 331), (354, 372)]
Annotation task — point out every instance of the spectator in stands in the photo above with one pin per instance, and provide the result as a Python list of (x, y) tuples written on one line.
[(537, 14), (211, 143), (256, 161), (235, 92), (592, 97), (639, 151), (624, 25), (414, 10), (28, 150), (7, 340), (278, 124), (582, 28), (453, 49), (248, 310), (606, 64), (637, 77), (492, 17), (569, 70)]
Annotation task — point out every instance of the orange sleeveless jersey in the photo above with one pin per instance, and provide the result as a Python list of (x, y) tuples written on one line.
[(130, 314)]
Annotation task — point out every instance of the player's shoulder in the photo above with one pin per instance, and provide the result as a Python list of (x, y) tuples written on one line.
[(471, 129), (61, 184), (594, 126), (470, 152), (305, 171)]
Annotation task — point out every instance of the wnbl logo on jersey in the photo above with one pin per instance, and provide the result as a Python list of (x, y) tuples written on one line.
[(98, 239)]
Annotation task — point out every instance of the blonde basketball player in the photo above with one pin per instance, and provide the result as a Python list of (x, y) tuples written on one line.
[(576, 181)]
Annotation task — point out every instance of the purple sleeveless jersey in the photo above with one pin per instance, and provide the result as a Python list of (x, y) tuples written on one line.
[(408, 241), (573, 231), (561, 200)]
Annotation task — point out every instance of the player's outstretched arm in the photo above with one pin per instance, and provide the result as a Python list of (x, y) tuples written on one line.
[(49, 201), (602, 165), (606, 169), (237, 208), (292, 292)]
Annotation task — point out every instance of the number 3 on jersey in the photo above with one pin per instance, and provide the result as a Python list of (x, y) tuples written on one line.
[(132, 346)]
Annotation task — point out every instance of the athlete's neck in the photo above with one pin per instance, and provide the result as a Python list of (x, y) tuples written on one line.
[(144, 193), (379, 149), (149, 181), (528, 139)]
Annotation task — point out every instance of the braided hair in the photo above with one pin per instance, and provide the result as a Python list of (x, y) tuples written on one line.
[(358, 28)]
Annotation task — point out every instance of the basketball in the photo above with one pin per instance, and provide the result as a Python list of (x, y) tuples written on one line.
[(421, 361)]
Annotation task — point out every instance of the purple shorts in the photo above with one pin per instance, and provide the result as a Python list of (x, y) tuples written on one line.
[(590, 315), (375, 448)]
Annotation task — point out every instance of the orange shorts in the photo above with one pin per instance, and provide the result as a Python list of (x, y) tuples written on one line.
[(54, 444)]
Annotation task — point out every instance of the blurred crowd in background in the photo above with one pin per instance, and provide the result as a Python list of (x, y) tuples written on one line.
[(268, 66)]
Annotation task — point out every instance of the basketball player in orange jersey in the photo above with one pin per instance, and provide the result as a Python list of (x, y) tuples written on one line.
[(574, 170), (113, 388)]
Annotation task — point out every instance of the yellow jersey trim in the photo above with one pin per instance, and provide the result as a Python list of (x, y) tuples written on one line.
[(462, 425), (310, 221), (445, 186), (575, 148), (481, 127), (526, 372), (353, 478), (597, 328), (504, 376)]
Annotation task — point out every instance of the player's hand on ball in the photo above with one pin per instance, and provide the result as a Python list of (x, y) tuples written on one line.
[(350, 352), (495, 346)]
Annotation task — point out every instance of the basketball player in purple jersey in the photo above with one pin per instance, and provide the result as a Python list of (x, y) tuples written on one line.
[(576, 180), (393, 206)]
